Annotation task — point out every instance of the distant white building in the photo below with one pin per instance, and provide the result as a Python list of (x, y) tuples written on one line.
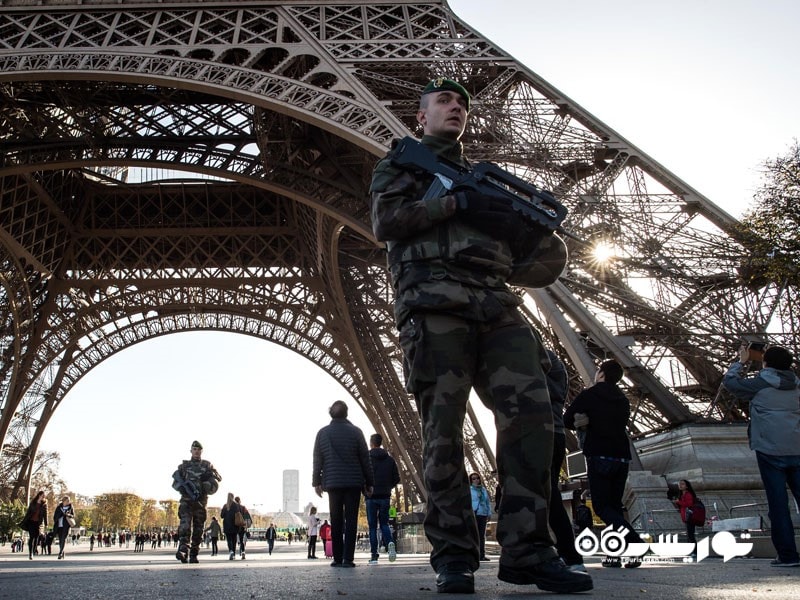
[(286, 520), (291, 490)]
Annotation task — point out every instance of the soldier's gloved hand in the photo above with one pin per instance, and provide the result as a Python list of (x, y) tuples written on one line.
[(581, 420), (489, 214), (471, 201)]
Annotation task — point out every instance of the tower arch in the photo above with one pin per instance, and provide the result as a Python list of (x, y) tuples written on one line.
[(283, 108)]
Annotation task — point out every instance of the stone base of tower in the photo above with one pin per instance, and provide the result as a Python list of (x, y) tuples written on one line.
[(718, 462)]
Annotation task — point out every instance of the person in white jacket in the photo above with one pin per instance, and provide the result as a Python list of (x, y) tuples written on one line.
[(313, 531)]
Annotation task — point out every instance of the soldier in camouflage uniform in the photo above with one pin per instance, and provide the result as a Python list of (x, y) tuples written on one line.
[(451, 259), (195, 479)]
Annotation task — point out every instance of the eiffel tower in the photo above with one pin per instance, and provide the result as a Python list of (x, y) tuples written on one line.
[(200, 165)]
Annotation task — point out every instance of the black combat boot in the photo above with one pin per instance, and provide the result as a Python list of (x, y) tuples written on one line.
[(183, 553), (550, 575), (455, 578)]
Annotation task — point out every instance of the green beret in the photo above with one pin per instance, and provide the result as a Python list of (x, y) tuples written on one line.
[(196, 444), (440, 84)]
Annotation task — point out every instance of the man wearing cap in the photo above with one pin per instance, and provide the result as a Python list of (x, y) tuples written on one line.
[(195, 479), (451, 259)]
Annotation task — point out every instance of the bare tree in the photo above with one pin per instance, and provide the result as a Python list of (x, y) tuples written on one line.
[(45, 476)]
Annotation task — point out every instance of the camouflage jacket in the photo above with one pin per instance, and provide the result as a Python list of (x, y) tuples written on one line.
[(438, 262), (200, 472)]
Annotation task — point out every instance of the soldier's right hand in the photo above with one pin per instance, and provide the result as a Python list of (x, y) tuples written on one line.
[(474, 202), (492, 215)]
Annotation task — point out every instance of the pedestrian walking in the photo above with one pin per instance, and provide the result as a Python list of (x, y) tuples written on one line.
[(35, 521), (604, 411), (386, 477), (63, 520), (215, 532), (271, 535), (229, 523), (195, 479), (342, 469)]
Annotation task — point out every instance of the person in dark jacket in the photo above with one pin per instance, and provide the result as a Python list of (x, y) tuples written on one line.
[(774, 396), (560, 523), (342, 469), (242, 531), (386, 476), (215, 529), (272, 535), (228, 514), (604, 410), (35, 520)]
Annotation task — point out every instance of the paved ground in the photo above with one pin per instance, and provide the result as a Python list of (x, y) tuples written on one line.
[(121, 575)]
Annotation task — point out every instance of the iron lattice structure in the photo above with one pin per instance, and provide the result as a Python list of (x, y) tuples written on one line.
[(173, 166)]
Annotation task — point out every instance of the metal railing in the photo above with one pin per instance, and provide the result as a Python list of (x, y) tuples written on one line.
[(738, 506)]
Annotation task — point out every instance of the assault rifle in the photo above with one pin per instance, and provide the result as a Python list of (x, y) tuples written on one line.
[(535, 206), (187, 487)]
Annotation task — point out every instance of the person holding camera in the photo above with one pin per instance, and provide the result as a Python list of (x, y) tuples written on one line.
[(774, 433)]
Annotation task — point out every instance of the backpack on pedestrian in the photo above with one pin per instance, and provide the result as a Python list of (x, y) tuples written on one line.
[(696, 514)]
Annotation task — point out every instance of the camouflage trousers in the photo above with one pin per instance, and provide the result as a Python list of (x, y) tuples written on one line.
[(192, 517), (445, 357)]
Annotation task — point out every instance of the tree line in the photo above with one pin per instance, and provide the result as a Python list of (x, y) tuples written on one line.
[(113, 511)]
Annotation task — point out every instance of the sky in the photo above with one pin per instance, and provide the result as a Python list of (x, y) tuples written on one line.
[(710, 89)]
